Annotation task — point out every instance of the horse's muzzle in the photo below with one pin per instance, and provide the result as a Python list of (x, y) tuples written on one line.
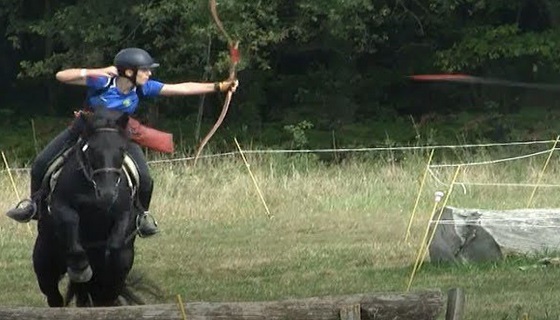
[(106, 197)]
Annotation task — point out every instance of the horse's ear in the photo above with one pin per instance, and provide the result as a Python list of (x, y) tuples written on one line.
[(86, 123), (122, 121)]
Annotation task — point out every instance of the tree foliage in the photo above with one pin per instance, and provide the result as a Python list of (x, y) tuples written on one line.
[(331, 63)]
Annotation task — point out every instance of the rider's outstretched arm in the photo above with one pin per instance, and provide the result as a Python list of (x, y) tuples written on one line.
[(78, 76), (196, 88)]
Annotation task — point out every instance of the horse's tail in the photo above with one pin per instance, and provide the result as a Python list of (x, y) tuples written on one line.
[(78, 291), (138, 288), (129, 297), (70, 294)]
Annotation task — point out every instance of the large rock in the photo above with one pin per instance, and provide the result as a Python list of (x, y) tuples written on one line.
[(476, 235)]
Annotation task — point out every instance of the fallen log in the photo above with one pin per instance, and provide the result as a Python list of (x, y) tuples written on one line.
[(421, 305)]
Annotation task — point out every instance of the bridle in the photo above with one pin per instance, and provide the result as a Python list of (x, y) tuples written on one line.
[(85, 164)]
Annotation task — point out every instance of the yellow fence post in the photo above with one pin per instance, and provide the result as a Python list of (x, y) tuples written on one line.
[(542, 172), (418, 196), (421, 250)]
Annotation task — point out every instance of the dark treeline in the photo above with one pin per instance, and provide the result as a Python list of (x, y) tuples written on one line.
[(333, 65)]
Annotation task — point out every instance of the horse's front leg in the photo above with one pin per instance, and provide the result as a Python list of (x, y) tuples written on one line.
[(48, 262), (117, 237), (68, 223), (119, 257), (117, 242)]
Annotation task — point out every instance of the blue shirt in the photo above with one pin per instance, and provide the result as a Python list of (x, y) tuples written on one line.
[(102, 91)]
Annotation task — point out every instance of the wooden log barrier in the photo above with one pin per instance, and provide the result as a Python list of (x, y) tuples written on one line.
[(420, 305)]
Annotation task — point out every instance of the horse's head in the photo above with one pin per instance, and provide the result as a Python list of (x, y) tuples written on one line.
[(105, 134)]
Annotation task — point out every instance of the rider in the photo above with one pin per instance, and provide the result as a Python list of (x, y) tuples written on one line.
[(116, 87)]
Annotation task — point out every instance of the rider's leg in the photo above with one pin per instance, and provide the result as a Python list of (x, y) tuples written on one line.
[(40, 165), (147, 225)]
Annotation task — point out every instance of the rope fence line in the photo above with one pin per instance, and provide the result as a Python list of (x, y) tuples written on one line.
[(156, 161), (372, 149), (405, 148), (185, 159), (490, 161), (521, 185), (435, 177), (511, 219), (487, 184), (456, 223), (487, 162)]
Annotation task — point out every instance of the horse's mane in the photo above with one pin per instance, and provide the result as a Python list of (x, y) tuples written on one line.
[(105, 118)]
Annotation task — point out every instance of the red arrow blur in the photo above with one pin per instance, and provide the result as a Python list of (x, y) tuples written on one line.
[(465, 78)]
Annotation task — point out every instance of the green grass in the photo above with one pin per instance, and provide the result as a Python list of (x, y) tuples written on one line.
[(337, 229)]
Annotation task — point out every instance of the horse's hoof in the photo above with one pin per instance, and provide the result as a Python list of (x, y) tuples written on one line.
[(81, 275)]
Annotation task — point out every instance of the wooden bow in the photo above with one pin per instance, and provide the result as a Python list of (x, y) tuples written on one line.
[(234, 60)]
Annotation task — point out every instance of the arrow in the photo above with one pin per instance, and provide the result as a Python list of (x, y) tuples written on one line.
[(465, 78)]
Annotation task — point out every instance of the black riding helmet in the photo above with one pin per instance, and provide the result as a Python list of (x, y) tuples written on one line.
[(134, 59)]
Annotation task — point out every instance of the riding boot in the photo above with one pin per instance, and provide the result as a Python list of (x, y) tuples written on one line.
[(24, 211), (27, 209), (145, 222)]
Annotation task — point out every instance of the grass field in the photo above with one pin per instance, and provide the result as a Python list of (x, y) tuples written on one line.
[(337, 229)]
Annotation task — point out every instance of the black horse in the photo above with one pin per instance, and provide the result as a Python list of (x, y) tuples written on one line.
[(89, 227)]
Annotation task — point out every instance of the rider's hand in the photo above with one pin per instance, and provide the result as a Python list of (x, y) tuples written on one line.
[(108, 72), (227, 85)]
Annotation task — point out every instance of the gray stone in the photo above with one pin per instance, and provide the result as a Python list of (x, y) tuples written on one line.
[(477, 235)]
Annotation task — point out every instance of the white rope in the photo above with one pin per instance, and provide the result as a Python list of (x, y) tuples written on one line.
[(403, 148), (531, 226), (16, 169), (464, 184), (217, 155), (537, 218), (490, 161), (493, 224), (443, 184), (426, 147), (372, 149), (446, 184), (528, 185)]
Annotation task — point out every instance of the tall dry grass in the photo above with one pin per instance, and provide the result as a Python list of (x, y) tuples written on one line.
[(337, 228)]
